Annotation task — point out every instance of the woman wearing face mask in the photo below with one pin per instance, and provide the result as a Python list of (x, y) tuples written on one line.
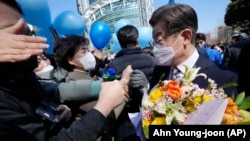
[(44, 68), (72, 54)]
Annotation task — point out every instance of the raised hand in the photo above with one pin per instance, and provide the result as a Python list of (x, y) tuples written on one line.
[(15, 47)]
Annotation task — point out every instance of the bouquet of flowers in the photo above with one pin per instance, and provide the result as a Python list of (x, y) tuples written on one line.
[(172, 101)]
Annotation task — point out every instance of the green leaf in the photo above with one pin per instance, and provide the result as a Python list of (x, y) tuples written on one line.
[(161, 79), (239, 98), (244, 106), (146, 131), (162, 76), (232, 84), (246, 99), (244, 123)]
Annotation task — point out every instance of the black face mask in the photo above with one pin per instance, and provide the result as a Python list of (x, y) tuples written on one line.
[(18, 69)]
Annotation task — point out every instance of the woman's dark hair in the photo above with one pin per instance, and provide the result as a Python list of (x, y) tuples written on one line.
[(51, 57), (66, 48)]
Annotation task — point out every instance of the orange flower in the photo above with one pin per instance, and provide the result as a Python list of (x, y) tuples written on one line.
[(173, 90), (231, 106)]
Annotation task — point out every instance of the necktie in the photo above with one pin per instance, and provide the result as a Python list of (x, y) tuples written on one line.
[(176, 73)]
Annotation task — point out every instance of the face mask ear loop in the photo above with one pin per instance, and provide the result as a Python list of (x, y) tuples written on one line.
[(175, 43), (178, 49)]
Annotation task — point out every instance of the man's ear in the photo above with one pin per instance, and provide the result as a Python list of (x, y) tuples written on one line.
[(187, 35)]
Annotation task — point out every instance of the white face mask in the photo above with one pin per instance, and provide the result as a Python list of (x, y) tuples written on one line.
[(88, 61), (165, 54), (45, 73)]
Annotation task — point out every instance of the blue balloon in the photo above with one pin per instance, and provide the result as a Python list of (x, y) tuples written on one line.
[(145, 36), (120, 23), (69, 23), (100, 34), (171, 2), (46, 32), (116, 45), (36, 12)]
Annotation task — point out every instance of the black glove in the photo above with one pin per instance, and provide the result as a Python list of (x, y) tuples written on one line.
[(138, 79)]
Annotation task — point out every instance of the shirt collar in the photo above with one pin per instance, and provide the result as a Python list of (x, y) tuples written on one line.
[(190, 62)]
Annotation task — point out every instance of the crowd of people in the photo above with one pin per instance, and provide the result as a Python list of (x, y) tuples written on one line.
[(47, 97)]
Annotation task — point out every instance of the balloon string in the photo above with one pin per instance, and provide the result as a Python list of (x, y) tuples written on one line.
[(55, 34)]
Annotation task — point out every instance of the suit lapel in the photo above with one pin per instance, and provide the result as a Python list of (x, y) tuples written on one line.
[(157, 73)]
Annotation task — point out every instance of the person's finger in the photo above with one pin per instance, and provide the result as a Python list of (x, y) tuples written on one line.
[(31, 45), (136, 72), (61, 108), (14, 58), (135, 78), (64, 115), (30, 39), (126, 98), (65, 112), (135, 85), (126, 95), (23, 42), (26, 51)]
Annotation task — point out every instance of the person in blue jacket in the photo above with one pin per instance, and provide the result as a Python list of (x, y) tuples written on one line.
[(213, 54)]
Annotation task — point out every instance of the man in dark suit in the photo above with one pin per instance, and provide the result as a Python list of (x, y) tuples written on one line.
[(174, 30)]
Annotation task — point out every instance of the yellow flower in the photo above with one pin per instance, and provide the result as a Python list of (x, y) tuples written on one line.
[(155, 94), (159, 121), (145, 123), (190, 104), (207, 98), (190, 108), (197, 99)]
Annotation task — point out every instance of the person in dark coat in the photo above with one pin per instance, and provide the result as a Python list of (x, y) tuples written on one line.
[(131, 54), (10, 132), (243, 64), (231, 54), (21, 93)]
